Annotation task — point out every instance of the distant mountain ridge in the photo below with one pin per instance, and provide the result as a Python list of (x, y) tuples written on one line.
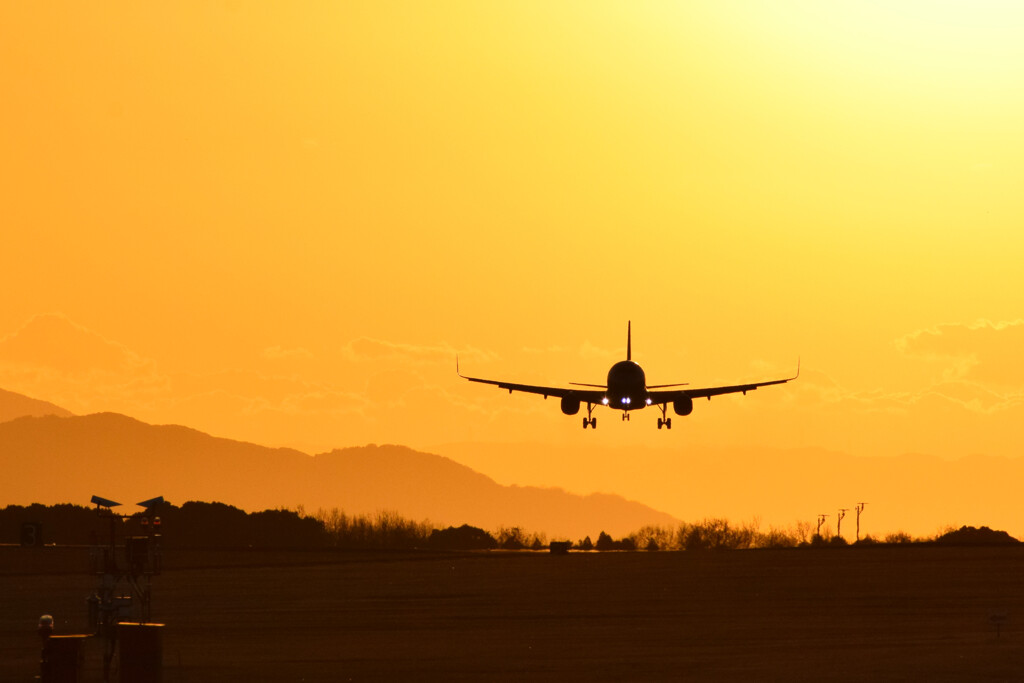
[(13, 406), (53, 459)]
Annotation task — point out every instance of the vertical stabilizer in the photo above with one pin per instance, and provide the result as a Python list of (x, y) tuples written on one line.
[(629, 340)]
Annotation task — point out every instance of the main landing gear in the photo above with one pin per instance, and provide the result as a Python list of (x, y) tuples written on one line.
[(663, 421), (589, 421)]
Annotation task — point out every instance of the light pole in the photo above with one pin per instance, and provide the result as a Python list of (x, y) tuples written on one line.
[(859, 509), (839, 521)]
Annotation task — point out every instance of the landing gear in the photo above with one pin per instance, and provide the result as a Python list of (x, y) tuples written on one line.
[(589, 421), (625, 416), (664, 421)]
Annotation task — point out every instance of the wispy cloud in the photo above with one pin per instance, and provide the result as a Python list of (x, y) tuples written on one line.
[(366, 348), (984, 351), (74, 366)]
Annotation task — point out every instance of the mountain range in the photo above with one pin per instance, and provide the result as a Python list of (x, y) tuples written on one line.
[(63, 458), (14, 405), (48, 455)]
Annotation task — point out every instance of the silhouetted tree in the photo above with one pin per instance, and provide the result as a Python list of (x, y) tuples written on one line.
[(898, 537), (464, 537), (776, 538), (284, 529), (969, 535), (511, 538), (662, 538), (62, 524), (385, 530)]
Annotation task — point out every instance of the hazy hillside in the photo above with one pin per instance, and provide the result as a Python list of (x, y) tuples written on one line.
[(13, 406), (68, 459)]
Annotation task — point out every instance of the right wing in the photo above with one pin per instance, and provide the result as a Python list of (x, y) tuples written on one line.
[(708, 392)]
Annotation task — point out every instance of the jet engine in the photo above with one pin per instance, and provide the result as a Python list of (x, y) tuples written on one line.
[(683, 406), (570, 405)]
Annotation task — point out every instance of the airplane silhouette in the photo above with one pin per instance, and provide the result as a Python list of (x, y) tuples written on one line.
[(627, 389)]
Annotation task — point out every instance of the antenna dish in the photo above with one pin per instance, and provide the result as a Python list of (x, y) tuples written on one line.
[(104, 502)]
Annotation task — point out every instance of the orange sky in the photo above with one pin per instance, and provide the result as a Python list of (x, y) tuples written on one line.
[(279, 222)]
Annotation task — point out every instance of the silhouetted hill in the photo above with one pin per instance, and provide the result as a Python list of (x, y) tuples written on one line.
[(68, 459), (13, 406)]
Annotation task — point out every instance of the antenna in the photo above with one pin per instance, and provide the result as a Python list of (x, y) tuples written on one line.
[(629, 340), (859, 508), (839, 520), (152, 502), (103, 502), (136, 560)]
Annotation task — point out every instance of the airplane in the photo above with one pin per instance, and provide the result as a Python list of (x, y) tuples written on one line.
[(626, 389)]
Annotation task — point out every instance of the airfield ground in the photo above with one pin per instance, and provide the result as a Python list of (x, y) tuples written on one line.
[(881, 613)]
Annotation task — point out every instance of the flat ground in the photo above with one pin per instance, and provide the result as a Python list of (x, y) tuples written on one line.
[(883, 613)]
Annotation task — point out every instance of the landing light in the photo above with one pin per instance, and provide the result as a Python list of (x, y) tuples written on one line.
[(604, 400), (648, 401)]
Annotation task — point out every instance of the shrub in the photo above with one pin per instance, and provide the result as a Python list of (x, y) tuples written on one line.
[(464, 537)]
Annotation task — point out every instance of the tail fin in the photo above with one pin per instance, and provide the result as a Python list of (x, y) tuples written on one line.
[(629, 340)]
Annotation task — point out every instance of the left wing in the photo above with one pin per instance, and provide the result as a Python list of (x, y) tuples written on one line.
[(708, 392), (582, 395)]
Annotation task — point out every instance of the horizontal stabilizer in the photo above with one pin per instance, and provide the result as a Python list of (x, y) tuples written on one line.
[(104, 502)]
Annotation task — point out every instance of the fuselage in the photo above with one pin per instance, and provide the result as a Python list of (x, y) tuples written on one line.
[(627, 386)]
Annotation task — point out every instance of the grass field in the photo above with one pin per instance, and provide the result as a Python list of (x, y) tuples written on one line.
[(915, 613)]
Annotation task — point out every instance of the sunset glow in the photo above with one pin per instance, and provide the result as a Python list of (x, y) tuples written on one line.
[(280, 222)]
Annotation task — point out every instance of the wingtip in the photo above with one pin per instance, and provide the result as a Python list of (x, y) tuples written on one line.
[(457, 370)]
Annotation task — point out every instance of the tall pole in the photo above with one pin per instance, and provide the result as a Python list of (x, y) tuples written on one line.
[(839, 520), (821, 520), (859, 509)]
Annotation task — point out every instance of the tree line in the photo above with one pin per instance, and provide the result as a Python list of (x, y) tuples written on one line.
[(219, 526)]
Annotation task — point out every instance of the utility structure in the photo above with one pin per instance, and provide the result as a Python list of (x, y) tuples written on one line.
[(821, 520), (839, 521), (137, 564), (859, 508)]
